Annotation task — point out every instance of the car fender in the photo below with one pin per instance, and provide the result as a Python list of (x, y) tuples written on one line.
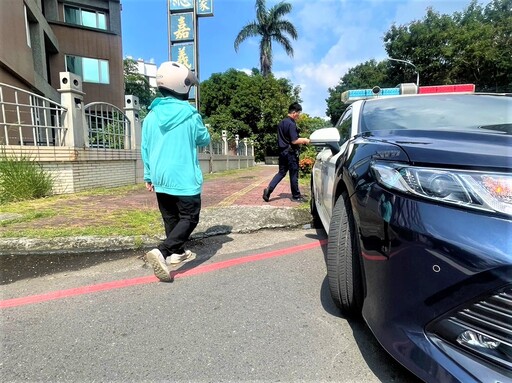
[(353, 165)]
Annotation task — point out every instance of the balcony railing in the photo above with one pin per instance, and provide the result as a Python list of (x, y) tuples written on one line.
[(30, 119)]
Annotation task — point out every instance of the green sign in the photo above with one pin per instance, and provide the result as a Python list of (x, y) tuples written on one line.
[(204, 7), (181, 5), (182, 27), (184, 54)]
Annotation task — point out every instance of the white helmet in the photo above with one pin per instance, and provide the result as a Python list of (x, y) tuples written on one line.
[(175, 77)]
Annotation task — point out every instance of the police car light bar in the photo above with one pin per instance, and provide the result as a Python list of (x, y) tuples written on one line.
[(350, 96), (363, 94), (447, 88)]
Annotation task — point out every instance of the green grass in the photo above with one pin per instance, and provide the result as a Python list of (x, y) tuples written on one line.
[(70, 209), (22, 178), (233, 172), (119, 223), (30, 216)]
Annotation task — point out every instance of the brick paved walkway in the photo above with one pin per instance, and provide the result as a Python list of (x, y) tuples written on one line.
[(223, 190), (246, 188)]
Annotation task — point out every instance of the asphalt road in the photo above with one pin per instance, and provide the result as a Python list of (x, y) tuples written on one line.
[(252, 307)]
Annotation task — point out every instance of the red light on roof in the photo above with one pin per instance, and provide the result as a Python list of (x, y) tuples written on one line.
[(447, 88)]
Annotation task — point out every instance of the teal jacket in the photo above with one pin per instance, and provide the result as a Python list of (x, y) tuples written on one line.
[(171, 133)]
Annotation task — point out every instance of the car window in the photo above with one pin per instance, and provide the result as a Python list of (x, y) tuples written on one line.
[(344, 124), (447, 111)]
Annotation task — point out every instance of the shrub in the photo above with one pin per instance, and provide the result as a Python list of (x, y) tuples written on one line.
[(306, 160), (305, 166), (22, 178)]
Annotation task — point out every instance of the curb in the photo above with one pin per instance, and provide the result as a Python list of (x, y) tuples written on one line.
[(213, 221)]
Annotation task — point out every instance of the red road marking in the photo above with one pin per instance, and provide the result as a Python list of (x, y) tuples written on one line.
[(61, 294)]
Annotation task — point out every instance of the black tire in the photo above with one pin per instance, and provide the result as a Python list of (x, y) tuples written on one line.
[(343, 260)]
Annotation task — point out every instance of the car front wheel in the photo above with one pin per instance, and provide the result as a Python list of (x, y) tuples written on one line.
[(343, 260)]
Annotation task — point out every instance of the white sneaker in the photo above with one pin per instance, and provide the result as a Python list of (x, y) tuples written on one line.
[(157, 262), (187, 256)]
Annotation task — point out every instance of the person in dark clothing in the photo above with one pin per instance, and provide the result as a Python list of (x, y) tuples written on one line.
[(289, 145)]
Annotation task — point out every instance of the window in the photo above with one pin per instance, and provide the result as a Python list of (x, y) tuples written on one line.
[(27, 28), (85, 17), (344, 125), (91, 70), (437, 111)]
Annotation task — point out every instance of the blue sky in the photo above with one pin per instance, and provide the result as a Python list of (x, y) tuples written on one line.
[(334, 35)]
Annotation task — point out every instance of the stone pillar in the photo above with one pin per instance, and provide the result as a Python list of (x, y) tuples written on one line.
[(246, 140), (132, 109), (225, 142), (72, 98), (134, 138), (237, 140)]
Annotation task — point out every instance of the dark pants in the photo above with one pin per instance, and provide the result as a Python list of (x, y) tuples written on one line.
[(288, 162), (181, 216)]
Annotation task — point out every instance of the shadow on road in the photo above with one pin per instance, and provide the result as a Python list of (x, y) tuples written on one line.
[(205, 249), (385, 368), (18, 267)]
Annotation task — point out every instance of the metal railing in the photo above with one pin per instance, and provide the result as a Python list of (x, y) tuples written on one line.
[(108, 126), (215, 147), (30, 119), (229, 147)]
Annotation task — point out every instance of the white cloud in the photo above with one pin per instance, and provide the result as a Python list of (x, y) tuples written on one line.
[(314, 80), (336, 35)]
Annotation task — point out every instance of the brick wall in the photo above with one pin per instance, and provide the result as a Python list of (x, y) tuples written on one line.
[(79, 169), (79, 176)]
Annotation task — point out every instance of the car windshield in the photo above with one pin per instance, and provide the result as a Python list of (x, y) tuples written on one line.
[(442, 111)]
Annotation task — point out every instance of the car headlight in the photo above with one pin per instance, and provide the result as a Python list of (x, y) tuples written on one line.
[(479, 190)]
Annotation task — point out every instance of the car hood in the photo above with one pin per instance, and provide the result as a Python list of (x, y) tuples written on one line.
[(458, 148)]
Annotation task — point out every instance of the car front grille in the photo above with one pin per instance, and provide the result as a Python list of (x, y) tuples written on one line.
[(482, 328), (491, 316)]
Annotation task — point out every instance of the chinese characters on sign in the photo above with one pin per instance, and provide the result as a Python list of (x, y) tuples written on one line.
[(182, 27), (183, 16), (181, 5), (204, 8), (184, 54)]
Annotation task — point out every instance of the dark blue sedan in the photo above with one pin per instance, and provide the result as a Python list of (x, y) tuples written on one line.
[(415, 193)]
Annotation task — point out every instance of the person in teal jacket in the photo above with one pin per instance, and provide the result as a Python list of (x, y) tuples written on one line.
[(171, 133)]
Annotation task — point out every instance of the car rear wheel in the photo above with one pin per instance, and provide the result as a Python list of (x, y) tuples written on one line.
[(343, 260)]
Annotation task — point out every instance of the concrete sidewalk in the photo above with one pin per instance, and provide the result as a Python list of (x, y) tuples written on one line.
[(231, 203)]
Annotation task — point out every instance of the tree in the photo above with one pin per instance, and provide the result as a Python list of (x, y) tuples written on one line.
[(472, 46), (427, 44), (270, 26), (308, 124), (482, 49), (137, 84), (362, 76), (248, 105)]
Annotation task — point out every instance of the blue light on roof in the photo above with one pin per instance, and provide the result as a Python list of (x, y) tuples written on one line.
[(390, 92), (362, 94)]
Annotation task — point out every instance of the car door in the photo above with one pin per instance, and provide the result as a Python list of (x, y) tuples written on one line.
[(320, 178), (344, 127)]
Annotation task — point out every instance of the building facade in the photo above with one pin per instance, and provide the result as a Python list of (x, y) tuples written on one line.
[(39, 39), (148, 69)]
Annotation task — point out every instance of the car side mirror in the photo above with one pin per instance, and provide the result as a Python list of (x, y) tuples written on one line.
[(326, 137)]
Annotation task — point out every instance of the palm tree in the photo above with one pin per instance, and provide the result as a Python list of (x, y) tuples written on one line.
[(271, 27)]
